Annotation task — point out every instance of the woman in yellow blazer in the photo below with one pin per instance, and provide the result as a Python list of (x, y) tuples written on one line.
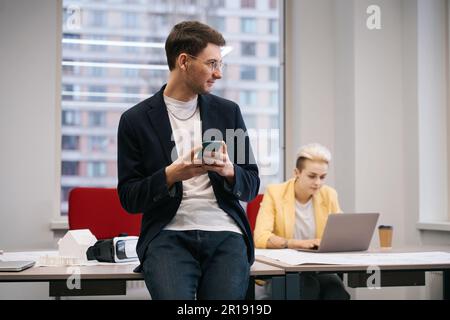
[(293, 215)]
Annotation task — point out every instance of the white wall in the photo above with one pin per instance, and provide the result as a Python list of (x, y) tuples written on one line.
[(29, 122), (311, 90), (379, 115), (344, 133), (448, 103), (432, 94), (29, 134), (379, 123)]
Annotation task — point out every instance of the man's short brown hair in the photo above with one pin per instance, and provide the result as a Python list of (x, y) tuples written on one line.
[(190, 37)]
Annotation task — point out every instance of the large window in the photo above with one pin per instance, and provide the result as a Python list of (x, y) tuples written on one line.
[(113, 57)]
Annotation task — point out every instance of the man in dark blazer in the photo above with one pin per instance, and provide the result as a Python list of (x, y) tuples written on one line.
[(195, 240)]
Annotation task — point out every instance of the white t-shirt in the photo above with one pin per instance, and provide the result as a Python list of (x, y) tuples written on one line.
[(199, 209), (305, 224)]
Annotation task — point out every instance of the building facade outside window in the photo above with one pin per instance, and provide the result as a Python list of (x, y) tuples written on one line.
[(70, 142), (248, 49), (70, 168), (248, 4), (113, 57), (248, 25), (248, 73), (248, 98)]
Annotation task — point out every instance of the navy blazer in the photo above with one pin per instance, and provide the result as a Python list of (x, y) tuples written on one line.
[(144, 151)]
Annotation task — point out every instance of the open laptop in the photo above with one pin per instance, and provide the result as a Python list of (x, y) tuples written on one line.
[(14, 266), (347, 232)]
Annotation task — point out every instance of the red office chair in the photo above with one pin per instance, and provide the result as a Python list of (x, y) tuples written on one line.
[(99, 210), (252, 210)]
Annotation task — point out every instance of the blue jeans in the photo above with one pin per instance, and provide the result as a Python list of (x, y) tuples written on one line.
[(194, 264)]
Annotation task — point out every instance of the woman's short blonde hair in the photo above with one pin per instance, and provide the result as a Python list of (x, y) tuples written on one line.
[(314, 152)]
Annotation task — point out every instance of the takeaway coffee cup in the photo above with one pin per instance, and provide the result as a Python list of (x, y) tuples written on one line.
[(385, 234)]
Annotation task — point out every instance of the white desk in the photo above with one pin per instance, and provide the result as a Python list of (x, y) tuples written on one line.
[(111, 279), (391, 275)]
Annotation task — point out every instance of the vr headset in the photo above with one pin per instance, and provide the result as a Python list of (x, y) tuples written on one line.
[(117, 249)]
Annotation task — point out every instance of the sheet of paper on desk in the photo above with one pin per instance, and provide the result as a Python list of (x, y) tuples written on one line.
[(28, 255), (52, 258), (355, 258)]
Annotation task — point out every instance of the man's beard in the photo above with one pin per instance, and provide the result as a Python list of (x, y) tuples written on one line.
[(197, 88)]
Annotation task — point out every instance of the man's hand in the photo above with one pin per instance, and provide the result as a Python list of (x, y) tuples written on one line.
[(220, 162), (184, 168)]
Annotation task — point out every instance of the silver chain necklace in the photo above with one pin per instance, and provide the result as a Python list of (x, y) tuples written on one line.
[(183, 119)]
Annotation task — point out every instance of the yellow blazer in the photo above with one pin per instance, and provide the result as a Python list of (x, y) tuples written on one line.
[(276, 215)]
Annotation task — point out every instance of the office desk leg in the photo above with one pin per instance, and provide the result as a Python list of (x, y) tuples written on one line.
[(278, 288), (446, 284), (293, 286)]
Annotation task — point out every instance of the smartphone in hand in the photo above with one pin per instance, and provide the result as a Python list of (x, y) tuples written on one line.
[(210, 146)]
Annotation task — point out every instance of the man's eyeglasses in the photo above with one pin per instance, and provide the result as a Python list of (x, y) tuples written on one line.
[(212, 64)]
